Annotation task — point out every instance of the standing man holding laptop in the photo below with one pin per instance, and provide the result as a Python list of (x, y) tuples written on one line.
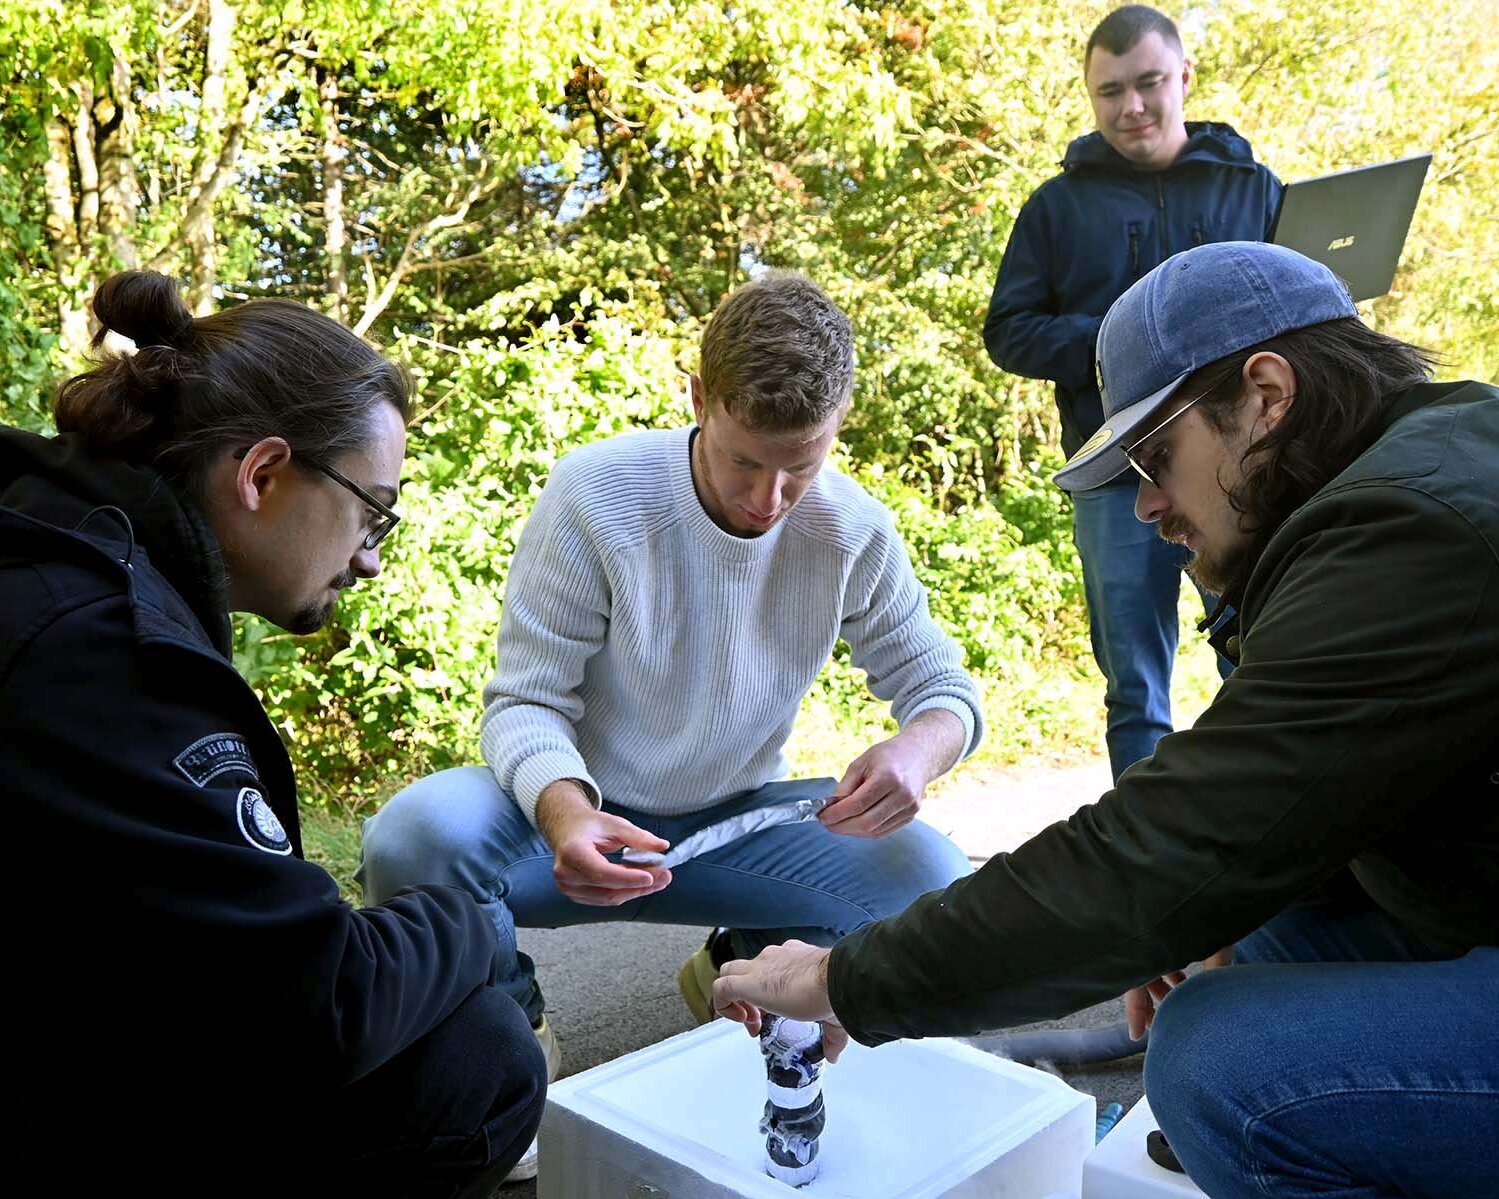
[(1145, 185)]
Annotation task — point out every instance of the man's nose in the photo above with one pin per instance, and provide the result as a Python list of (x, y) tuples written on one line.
[(1151, 503), (767, 493), (365, 563), (1134, 102)]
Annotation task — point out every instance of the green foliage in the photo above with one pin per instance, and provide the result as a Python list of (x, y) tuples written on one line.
[(27, 346), (542, 203)]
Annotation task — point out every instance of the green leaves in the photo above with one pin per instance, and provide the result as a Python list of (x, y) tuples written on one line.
[(543, 202)]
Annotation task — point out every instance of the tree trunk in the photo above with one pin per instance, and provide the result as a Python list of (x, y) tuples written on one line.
[(199, 233), (87, 164), (62, 236), (336, 237), (119, 188)]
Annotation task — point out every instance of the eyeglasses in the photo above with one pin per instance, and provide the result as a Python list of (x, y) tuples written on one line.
[(389, 517), (1149, 474)]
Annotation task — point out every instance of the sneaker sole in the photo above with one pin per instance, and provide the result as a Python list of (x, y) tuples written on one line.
[(523, 1172)]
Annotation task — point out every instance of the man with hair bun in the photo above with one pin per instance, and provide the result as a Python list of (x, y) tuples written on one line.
[(196, 1010), (673, 597)]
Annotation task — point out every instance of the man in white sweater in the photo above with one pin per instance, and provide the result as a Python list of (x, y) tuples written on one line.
[(673, 597)]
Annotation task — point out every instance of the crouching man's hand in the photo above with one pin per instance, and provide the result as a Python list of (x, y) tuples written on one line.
[(1140, 1003), (882, 789), (580, 835), (789, 980)]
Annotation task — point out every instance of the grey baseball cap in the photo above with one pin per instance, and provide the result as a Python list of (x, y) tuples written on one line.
[(1195, 308)]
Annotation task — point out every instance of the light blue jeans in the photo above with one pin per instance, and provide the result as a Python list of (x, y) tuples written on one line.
[(792, 881), (1338, 1058), (1132, 582)]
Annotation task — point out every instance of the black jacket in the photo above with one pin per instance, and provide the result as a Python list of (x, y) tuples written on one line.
[(1083, 237), (1359, 732), (182, 980)]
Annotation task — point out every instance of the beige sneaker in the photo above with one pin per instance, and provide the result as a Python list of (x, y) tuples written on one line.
[(695, 979), (525, 1169), (549, 1047)]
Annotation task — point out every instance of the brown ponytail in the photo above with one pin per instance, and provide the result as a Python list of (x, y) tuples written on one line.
[(124, 407), (196, 386)]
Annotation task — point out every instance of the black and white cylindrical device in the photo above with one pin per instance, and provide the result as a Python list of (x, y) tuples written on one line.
[(793, 1118)]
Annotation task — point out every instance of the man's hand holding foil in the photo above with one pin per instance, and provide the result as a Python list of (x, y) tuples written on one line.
[(580, 835), (882, 789)]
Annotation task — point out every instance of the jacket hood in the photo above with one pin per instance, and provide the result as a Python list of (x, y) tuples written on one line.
[(57, 481), (1207, 141)]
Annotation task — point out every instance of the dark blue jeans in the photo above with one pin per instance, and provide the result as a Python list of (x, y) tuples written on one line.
[(1132, 581), (1337, 1058), (444, 1119)]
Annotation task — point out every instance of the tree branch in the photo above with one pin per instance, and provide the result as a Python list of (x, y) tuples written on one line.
[(335, 231), (224, 169), (378, 302)]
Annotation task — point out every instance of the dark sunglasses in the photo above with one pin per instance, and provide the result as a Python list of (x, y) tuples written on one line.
[(1131, 451)]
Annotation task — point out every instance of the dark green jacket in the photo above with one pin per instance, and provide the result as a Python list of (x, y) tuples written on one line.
[(1360, 730)]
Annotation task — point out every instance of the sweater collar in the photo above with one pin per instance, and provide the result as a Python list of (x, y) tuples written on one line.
[(704, 529)]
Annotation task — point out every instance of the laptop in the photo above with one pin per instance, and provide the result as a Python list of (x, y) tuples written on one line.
[(1354, 221)]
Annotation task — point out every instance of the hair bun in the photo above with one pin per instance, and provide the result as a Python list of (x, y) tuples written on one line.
[(145, 307)]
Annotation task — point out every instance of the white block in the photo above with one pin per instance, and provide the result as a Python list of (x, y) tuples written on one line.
[(910, 1120), (1120, 1168)]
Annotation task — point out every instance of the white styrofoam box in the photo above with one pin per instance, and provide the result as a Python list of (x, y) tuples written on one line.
[(1120, 1169), (929, 1119)]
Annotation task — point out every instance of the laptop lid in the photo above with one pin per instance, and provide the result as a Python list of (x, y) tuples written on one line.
[(1354, 221)]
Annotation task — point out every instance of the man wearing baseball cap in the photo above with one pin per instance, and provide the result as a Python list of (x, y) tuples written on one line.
[(1333, 816)]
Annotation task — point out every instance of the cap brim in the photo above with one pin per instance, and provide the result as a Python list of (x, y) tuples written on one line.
[(1101, 458)]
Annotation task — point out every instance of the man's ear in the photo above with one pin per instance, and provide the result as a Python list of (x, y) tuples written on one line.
[(699, 400), (1186, 76), (262, 469), (1271, 384)]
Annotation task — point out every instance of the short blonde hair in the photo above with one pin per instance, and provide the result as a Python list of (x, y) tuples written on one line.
[(778, 355)]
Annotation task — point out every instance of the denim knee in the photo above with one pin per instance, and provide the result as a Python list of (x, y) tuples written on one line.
[(502, 1056), (1199, 1034), (428, 832), (918, 859), (939, 860)]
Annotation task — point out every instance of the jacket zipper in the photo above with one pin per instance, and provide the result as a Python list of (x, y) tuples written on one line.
[(1160, 201)]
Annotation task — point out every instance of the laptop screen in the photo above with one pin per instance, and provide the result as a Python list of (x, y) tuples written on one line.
[(1354, 222)]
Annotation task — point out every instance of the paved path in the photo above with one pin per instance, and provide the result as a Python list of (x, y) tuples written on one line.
[(611, 988)]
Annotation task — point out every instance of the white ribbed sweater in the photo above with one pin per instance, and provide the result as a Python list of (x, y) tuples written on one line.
[(661, 660)]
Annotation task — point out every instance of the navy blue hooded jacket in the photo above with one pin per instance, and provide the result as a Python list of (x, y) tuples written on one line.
[(184, 985), (1084, 236)]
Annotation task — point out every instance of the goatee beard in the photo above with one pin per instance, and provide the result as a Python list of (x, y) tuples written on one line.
[(312, 617)]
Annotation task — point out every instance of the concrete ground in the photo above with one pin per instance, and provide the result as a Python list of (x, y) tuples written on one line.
[(611, 988)]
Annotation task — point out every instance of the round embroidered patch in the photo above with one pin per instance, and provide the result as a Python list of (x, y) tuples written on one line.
[(261, 827), (1092, 444)]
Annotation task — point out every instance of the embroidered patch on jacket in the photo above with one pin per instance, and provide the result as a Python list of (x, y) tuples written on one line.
[(218, 753), (261, 826)]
